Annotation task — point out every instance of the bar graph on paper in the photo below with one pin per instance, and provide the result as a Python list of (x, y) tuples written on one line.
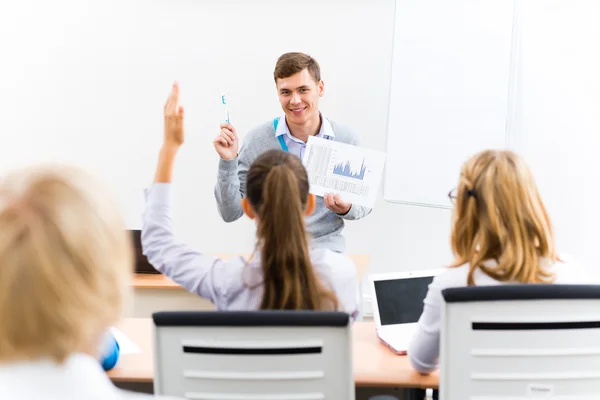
[(353, 172)]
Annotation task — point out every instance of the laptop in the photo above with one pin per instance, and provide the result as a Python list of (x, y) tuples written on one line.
[(397, 300), (142, 265)]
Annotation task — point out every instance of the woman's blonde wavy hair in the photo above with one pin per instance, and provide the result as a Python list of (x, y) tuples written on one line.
[(499, 215), (65, 263)]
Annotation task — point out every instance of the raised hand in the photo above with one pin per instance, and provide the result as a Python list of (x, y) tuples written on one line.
[(174, 130)]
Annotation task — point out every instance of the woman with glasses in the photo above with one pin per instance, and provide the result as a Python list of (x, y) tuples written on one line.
[(501, 234)]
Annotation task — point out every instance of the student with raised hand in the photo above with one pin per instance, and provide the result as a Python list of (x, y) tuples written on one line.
[(66, 265), (501, 234), (283, 274)]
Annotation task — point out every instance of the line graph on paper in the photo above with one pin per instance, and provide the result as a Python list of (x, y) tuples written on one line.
[(351, 171)]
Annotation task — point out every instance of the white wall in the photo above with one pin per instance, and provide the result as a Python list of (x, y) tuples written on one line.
[(557, 118)]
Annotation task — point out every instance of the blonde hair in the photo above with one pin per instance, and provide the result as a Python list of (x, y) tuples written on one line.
[(65, 263), (499, 215)]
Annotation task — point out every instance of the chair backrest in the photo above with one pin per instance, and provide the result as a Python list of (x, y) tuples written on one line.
[(251, 355), (519, 341)]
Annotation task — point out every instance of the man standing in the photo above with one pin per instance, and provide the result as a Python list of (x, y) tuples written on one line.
[(299, 86)]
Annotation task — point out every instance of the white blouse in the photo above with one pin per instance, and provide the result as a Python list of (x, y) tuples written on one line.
[(424, 349), (80, 377)]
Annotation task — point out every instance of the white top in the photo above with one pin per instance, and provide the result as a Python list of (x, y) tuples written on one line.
[(424, 349), (80, 377), (235, 284)]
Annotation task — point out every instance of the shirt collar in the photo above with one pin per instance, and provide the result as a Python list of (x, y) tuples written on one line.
[(325, 131)]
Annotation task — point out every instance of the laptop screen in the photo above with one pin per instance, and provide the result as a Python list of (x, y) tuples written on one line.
[(400, 301), (142, 265)]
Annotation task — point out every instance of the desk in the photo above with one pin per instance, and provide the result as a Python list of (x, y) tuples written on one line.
[(374, 364), (159, 281), (156, 292), (137, 367)]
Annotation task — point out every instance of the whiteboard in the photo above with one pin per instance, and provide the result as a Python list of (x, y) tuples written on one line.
[(449, 93), (557, 126)]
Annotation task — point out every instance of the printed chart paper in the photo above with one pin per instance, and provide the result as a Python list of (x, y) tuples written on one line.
[(351, 171)]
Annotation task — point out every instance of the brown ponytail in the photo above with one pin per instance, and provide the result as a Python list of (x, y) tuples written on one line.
[(277, 189)]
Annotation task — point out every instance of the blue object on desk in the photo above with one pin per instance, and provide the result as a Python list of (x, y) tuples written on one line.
[(110, 352)]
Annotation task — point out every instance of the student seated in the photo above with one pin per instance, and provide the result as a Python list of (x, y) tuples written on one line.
[(65, 268), (501, 234), (283, 274)]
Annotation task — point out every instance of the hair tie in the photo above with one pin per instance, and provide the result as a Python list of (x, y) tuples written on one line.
[(471, 193)]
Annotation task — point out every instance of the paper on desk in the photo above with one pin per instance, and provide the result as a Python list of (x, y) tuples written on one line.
[(353, 172), (126, 345)]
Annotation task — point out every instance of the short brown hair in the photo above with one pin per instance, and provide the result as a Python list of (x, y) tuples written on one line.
[(289, 64)]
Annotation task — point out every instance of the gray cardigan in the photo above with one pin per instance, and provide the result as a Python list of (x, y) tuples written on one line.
[(324, 226)]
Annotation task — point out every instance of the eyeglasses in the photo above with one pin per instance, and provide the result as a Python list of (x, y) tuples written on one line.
[(452, 196)]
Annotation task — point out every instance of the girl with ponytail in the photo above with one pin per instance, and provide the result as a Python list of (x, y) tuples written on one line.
[(283, 274), (501, 234)]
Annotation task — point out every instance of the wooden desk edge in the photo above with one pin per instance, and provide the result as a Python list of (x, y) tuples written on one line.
[(422, 382), (159, 281), (139, 330), (114, 376), (425, 382)]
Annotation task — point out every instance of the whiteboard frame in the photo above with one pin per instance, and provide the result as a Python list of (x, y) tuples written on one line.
[(510, 109)]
